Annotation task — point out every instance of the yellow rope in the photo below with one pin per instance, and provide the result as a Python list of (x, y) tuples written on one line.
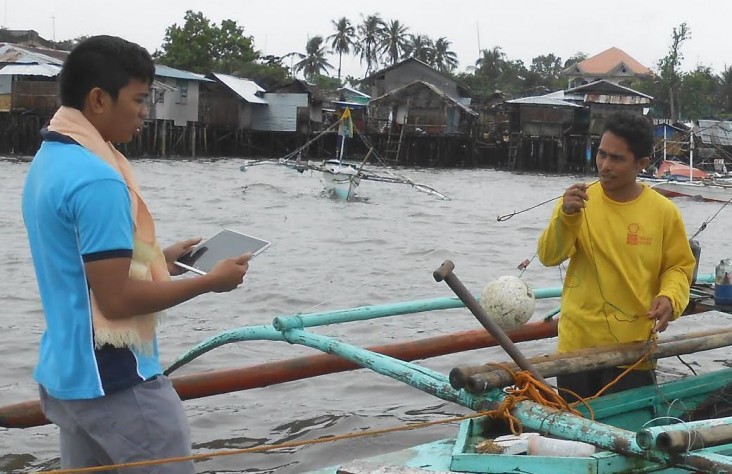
[(527, 387)]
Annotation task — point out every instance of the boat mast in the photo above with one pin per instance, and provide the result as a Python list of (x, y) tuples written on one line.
[(664, 143), (343, 145), (691, 154)]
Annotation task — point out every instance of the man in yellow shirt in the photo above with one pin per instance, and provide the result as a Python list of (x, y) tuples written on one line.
[(630, 263)]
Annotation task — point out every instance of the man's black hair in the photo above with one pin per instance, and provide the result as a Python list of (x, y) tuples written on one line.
[(635, 129), (107, 62)]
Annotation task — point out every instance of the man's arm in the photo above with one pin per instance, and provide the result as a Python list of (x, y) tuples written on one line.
[(557, 242), (677, 265), (119, 296), (102, 216)]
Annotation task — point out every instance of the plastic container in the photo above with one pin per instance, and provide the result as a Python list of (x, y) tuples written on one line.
[(723, 282), (543, 446), (512, 444)]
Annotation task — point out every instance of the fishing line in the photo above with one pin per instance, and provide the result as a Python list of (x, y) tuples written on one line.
[(708, 221), (506, 217)]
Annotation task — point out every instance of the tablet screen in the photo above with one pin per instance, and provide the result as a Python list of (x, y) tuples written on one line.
[(225, 244)]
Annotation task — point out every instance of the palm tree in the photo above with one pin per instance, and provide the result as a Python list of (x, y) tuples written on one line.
[(370, 32), (314, 62), (491, 62), (491, 65), (420, 47), (342, 39), (394, 41), (444, 59)]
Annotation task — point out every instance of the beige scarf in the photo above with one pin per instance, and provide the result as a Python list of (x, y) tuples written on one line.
[(148, 261)]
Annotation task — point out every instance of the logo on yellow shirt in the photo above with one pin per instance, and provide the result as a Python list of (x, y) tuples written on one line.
[(634, 238)]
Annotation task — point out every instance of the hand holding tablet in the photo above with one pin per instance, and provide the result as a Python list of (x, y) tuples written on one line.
[(226, 244)]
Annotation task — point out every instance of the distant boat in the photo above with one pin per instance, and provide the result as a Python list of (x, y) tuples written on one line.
[(706, 191), (341, 179), (678, 171), (677, 179)]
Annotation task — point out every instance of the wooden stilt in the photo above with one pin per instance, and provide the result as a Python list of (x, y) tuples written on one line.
[(193, 140), (163, 138)]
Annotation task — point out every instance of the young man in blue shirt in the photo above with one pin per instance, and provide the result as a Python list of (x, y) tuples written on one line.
[(101, 275)]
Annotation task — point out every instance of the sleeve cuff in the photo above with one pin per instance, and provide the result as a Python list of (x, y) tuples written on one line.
[(571, 220), (675, 309)]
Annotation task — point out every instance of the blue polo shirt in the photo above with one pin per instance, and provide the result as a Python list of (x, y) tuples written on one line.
[(76, 209)]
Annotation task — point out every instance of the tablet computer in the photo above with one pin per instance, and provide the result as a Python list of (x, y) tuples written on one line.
[(226, 244)]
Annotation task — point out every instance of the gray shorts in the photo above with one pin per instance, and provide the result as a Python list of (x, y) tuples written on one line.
[(141, 423)]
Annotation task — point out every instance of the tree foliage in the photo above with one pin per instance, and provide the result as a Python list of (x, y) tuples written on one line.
[(668, 68), (370, 35), (577, 57), (342, 41), (68, 45), (268, 71), (546, 69), (420, 47), (698, 94), (313, 62), (393, 41), (202, 46), (443, 58)]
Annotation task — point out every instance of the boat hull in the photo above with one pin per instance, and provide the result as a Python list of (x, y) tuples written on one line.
[(341, 185), (702, 191), (631, 410)]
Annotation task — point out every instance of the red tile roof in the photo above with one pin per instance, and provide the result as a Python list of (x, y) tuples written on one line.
[(608, 60)]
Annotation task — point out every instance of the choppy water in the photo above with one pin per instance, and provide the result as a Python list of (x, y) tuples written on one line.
[(325, 255)]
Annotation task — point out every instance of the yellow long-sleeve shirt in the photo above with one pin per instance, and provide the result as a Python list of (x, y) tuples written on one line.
[(622, 255)]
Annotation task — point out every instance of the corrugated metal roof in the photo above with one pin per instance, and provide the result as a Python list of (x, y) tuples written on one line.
[(355, 92), (166, 71), (353, 105), (244, 88), (715, 132), (404, 90), (161, 86), (12, 53), (46, 70), (543, 100)]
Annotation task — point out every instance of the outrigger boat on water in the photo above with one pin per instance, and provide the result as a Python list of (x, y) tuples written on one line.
[(341, 178), (678, 426), (676, 179)]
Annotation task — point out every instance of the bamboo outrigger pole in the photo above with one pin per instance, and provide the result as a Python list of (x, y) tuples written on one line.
[(478, 379)]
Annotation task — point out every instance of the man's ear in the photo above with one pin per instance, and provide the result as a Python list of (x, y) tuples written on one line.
[(97, 100)]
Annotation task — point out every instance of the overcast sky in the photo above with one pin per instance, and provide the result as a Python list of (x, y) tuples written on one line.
[(522, 28)]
